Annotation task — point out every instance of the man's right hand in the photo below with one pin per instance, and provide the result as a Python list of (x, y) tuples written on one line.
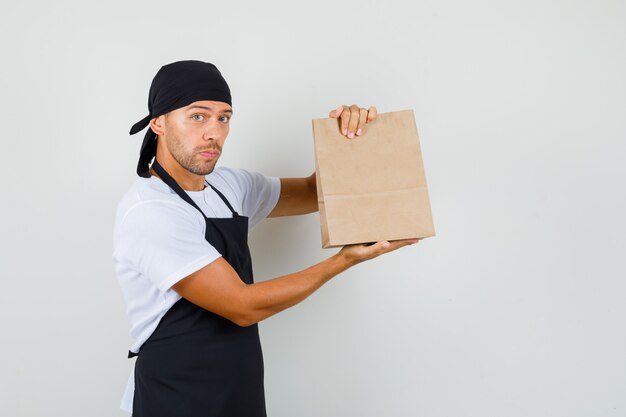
[(355, 254)]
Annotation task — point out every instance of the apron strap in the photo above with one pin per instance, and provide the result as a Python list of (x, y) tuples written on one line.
[(232, 210), (173, 185), (182, 194)]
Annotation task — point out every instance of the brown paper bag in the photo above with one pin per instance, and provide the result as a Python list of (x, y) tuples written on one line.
[(372, 187)]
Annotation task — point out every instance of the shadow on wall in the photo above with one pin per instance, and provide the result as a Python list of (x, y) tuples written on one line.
[(281, 246)]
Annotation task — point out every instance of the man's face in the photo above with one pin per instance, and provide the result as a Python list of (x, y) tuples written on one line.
[(195, 134)]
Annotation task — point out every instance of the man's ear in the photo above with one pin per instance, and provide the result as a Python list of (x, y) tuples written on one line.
[(157, 125)]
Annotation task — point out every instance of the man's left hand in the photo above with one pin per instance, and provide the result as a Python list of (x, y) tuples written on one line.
[(353, 119)]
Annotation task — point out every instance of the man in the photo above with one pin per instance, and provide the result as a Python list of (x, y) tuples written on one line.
[(182, 258)]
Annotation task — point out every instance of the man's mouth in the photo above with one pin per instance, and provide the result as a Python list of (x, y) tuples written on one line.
[(210, 154)]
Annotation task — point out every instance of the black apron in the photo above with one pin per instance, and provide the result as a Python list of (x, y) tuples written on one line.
[(196, 363)]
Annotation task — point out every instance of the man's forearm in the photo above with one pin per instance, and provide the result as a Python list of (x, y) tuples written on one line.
[(218, 288), (266, 298)]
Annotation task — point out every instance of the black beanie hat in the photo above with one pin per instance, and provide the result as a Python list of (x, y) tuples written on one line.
[(177, 85)]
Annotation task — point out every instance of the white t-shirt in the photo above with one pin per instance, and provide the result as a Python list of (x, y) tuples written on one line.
[(159, 239)]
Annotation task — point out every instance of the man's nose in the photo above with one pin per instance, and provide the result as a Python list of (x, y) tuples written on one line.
[(211, 130)]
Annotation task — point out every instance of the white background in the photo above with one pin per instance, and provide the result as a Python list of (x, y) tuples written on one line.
[(515, 308)]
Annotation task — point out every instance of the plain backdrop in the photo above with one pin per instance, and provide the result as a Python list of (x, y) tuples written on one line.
[(516, 308)]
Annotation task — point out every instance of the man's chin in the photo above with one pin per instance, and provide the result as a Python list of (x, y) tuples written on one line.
[(202, 169)]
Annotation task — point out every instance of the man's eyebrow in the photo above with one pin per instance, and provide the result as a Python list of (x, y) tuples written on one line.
[(208, 108)]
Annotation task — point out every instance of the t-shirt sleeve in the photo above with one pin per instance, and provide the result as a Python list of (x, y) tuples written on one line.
[(259, 193), (163, 242)]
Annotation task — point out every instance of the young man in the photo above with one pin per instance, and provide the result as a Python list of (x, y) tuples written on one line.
[(182, 258)]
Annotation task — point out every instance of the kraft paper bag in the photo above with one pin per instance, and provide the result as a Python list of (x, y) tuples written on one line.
[(372, 187)]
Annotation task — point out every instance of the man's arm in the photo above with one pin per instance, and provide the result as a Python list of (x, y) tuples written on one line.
[(297, 196), (218, 288)]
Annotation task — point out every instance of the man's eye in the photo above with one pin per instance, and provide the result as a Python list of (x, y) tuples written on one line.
[(224, 119), (197, 117)]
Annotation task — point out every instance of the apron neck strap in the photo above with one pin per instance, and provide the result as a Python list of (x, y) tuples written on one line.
[(218, 192), (182, 194)]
